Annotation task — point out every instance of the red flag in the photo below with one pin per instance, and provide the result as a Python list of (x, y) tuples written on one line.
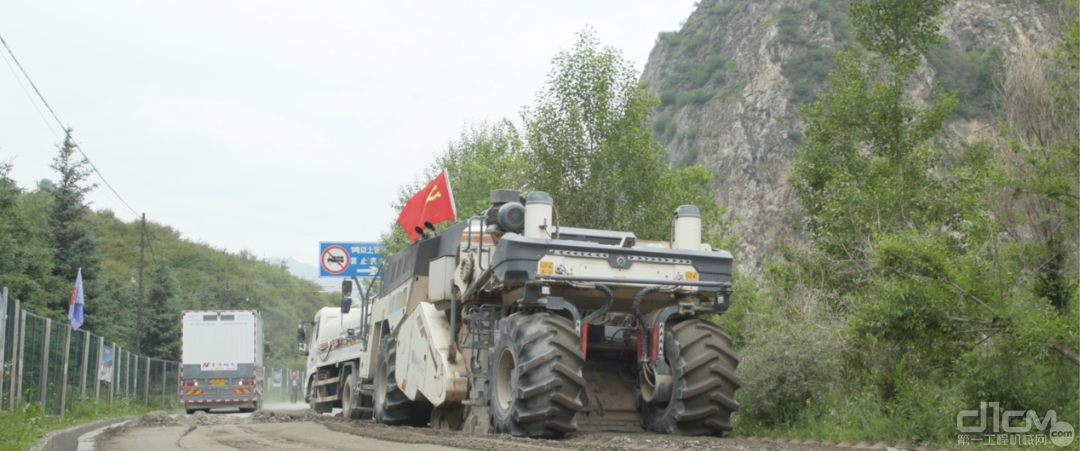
[(434, 204)]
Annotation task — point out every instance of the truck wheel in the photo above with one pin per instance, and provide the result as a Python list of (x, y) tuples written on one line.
[(391, 405), (704, 382), (350, 399), (535, 379), (312, 394)]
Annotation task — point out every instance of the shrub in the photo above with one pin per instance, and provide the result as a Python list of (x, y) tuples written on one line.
[(971, 75), (668, 97), (697, 96), (790, 33), (808, 72), (670, 38), (664, 126), (787, 361)]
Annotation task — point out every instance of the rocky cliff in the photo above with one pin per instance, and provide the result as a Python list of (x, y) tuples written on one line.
[(731, 78)]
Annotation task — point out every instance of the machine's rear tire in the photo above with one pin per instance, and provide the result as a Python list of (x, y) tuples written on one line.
[(704, 382), (391, 405), (535, 378)]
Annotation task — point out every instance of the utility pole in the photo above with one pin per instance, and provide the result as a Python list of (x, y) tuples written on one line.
[(228, 296), (138, 306)]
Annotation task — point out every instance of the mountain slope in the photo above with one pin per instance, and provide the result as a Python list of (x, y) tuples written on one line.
[(731, 78), (202, 271)]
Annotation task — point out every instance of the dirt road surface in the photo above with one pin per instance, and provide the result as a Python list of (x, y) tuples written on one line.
[(231, 437), (288, 430)]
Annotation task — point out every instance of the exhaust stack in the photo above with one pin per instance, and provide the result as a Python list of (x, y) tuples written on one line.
[(687, 228), (538, 206)]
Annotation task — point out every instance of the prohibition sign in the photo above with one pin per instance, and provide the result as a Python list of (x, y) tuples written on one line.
[(335, 260)]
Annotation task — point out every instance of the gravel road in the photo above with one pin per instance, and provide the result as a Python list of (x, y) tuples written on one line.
[(297, 429)]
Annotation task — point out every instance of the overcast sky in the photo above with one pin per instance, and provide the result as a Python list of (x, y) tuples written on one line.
[(272, 126)]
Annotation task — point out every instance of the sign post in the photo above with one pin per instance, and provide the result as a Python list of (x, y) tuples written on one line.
[(349, 259)]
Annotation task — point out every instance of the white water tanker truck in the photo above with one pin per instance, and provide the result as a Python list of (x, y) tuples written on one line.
[(222, 357)]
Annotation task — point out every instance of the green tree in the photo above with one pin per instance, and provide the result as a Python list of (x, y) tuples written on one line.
[(944, 261), (26, 255), (161, 315), (899, 31), (944, 256), (72, 239), (588, 142), (866, 164), (111, 312), (590, 146), (486, 156)]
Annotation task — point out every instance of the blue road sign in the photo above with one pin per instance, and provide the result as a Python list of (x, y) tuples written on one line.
[(343, 259)]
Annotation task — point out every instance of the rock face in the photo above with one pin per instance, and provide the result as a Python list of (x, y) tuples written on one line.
[(731, 78)]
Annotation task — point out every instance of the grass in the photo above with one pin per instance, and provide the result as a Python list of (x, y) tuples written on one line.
[(928, 421), (27, 423)]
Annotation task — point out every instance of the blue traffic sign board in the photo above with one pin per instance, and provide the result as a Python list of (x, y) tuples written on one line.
[(344, 259)]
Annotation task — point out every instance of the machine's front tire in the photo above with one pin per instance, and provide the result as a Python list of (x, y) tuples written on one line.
[(704, 382), (535, 376), (391, 405)]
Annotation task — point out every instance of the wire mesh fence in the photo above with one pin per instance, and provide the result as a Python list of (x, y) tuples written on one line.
[(277, 385), (46, 362)]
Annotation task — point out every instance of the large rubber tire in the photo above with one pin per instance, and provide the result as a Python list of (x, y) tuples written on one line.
[(704, 382), (535, 381), (392, 407)]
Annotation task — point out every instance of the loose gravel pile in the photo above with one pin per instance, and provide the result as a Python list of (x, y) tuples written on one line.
[(156, 418), (282, 416), (201, 418)]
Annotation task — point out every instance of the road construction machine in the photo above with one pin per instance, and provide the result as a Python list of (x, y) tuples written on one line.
[(510, 323)]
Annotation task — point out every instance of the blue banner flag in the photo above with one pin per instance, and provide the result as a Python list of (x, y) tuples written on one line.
[(75, 310)]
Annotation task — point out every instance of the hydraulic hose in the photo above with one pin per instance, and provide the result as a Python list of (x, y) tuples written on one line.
[(453, 324), (607, 304), (637, 303), (479, 282)]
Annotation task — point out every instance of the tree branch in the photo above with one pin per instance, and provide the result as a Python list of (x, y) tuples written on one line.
[(1068, 353), (964, 320), (954, 285), (972, 296)]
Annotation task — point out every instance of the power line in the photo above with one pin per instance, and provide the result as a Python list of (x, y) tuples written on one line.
[(67, 133), (31, 98), (151, 243), (62, 127), (32, 85), (48, 125)]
